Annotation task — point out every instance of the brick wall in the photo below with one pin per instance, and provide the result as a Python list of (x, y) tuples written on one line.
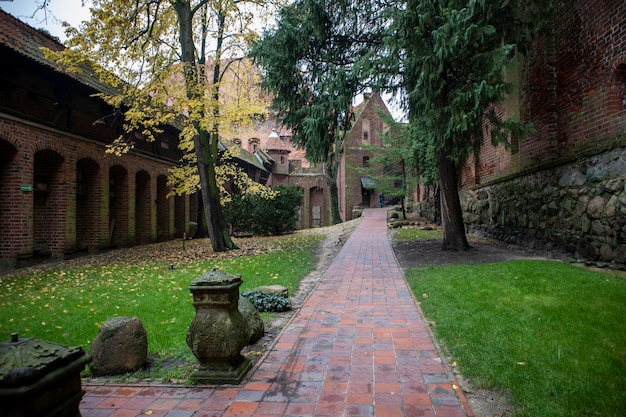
[(79, 194), (368, 129), (571, 90), (562, 187)]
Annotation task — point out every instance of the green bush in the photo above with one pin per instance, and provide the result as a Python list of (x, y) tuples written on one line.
[(251, 213), (267, 303)]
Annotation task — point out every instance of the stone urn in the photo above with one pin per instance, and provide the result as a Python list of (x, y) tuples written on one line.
[(40, 378), (218, 331)]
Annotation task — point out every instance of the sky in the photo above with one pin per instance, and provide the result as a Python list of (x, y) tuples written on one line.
[(71, 11)]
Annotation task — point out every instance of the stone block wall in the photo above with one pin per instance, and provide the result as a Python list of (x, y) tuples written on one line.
[(577, 208)]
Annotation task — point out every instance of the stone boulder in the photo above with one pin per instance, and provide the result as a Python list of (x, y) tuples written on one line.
[(273, 289), (253, 318), (120, 347)]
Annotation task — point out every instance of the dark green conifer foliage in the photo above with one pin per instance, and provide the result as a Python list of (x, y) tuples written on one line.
[(313, 64), (451, 55)]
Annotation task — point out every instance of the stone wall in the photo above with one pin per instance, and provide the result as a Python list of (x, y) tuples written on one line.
[(578, 208)]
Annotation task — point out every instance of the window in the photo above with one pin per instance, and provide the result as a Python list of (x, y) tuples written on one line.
[(366, 162), (365, 128), (253, 144)]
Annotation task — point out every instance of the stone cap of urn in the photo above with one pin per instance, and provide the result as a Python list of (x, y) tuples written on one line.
[(216, 278), (28, 364), (216, 287)]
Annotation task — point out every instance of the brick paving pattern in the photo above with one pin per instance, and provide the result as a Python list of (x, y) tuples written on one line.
[(359, 346)]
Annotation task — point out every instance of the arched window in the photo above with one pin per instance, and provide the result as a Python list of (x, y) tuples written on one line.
[(365, 127), (253, 144)]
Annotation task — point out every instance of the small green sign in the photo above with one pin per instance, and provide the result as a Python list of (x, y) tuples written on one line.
[(26, 188)]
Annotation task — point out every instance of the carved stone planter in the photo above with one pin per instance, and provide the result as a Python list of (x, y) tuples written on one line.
[(218, 331), (39, 378)]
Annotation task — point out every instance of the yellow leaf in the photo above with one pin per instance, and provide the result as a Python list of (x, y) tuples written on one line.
[(149, 412), (424, 295)]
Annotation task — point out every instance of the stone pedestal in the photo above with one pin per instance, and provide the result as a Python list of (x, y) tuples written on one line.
[(40, 379), (218, 331)]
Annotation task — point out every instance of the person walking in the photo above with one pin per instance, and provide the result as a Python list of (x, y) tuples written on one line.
[(381, 196)]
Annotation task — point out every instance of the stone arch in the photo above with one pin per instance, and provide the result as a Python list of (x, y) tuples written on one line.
[(181, 215), (88, 204), (163, 209), (119, 210), (49, 203), (10, 200), (316, 207), (253, 144), (48, 143), (300, 223), (195, 216), (143, 207)]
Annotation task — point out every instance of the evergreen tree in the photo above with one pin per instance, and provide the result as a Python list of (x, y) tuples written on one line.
[(313, 64), (450, 55)]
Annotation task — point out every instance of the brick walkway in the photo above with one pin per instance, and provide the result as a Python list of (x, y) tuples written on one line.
[(359, 346)]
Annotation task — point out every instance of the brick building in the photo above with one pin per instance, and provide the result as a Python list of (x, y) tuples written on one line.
[(290, 166), (562, 187), (60, 192), (286, 166), (356, 190)]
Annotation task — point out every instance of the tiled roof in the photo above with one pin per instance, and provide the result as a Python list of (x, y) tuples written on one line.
[(243, 155), (275, 143), (28, 42), (263, 157)]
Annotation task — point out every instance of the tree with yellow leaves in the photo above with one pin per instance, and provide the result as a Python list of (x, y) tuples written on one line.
[(176, 62)]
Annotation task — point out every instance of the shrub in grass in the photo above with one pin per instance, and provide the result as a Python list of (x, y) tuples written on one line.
[(553, 335), (267, 303), (253, 213)]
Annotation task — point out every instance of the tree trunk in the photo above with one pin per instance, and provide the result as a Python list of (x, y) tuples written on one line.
[(334, 202), (404, 194), (218, 230), (451, 213), (332, 169), (205, 143)]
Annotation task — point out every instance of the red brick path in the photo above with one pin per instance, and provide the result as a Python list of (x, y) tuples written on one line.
[(359, 347)]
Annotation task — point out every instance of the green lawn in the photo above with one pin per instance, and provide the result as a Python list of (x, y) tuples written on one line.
[(411, 233), (553, 335), (68, 305)]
